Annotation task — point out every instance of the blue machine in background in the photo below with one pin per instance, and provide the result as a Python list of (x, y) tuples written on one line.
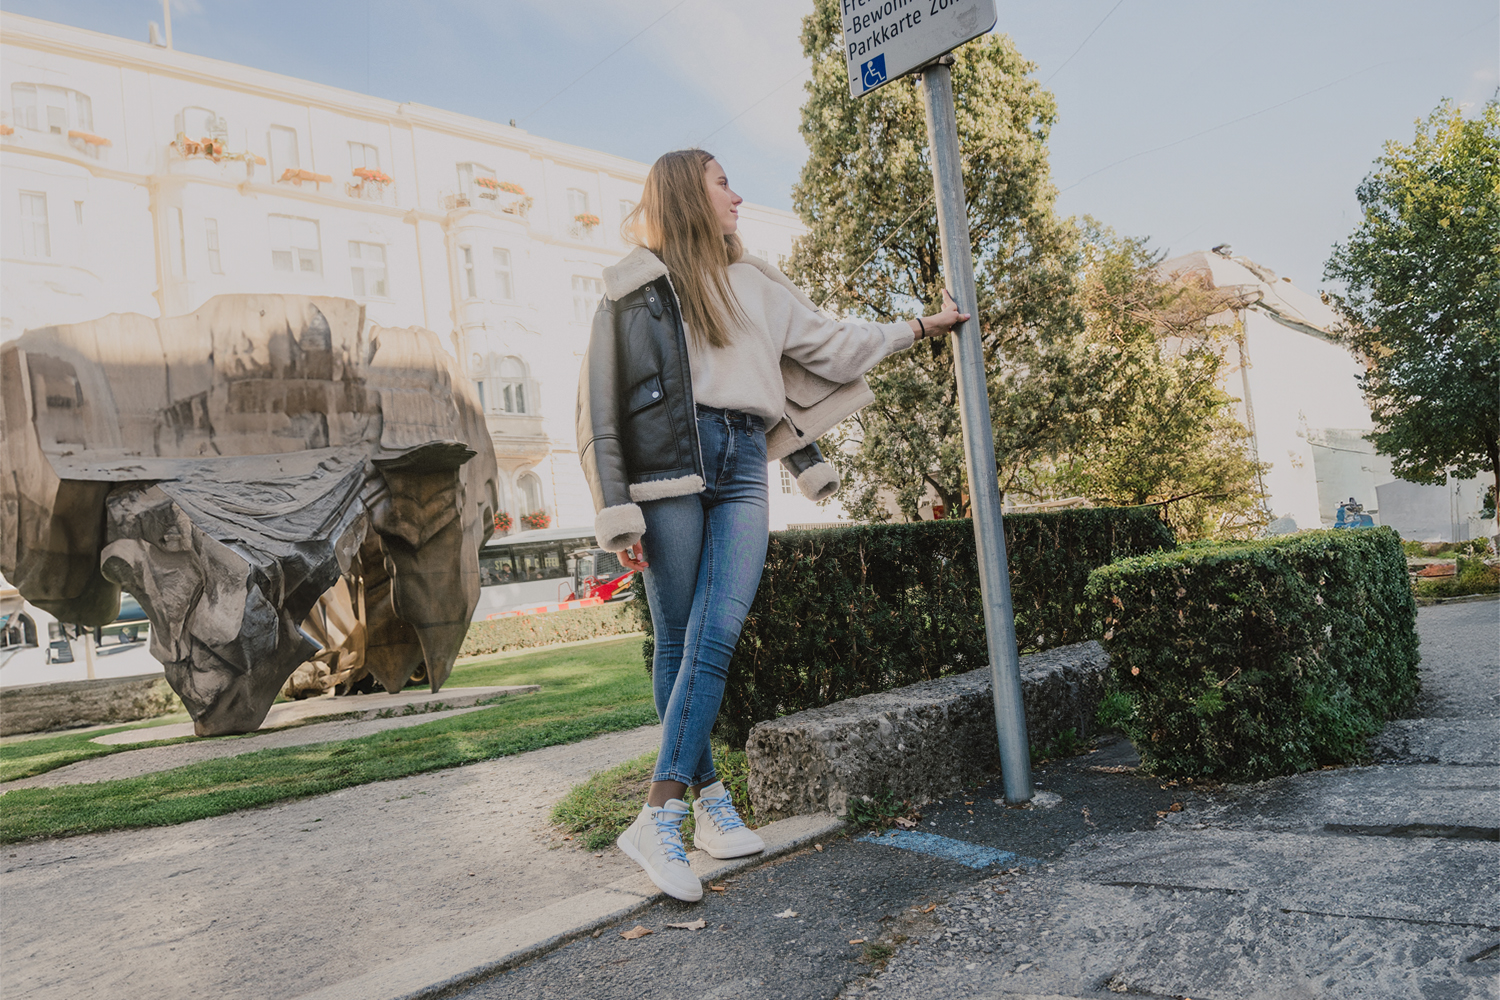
[(1352, 515)]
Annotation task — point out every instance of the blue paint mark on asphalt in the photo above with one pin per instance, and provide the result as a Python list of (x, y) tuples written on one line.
[(965, 853)]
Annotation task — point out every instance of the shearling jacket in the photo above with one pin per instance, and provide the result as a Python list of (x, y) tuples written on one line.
[(636, 418)]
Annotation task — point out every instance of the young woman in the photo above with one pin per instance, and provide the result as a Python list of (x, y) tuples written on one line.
[(703, 365)]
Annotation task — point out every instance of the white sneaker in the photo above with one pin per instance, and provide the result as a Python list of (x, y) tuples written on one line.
[(718, 829), (654, 841)]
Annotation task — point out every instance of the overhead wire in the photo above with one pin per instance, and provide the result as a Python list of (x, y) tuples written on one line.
[(1082, 43), (601, 62), (752, 107)]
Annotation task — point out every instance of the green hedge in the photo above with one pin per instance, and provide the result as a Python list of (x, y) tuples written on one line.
[(849, 611), (525, 631), (1249, 660)]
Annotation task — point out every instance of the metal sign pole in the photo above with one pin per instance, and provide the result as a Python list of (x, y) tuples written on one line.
[(979, 437)]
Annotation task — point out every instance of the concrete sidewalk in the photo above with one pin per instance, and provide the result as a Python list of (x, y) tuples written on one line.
[(1378, 881), (372, 892), (1375, 881)]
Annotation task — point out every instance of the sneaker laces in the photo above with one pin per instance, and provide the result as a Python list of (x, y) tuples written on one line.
[(721, 809), (669, 833)]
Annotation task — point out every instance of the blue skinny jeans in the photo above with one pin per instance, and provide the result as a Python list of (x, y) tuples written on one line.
[(705, 554)]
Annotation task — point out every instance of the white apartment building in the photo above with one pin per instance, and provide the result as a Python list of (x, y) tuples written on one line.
[(135, 178)]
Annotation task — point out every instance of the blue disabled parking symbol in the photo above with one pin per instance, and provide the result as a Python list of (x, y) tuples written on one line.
[(873, 72)]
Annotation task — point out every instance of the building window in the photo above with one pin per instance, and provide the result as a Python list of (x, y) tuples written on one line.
[(626, 207), (467, 255), (786, 481), (211, 235), (468, 174), (283, 144), (177, 244), (367, 268), (578, 202), (78, 211), (586, 292), (201, 123), (295, 245), (505, 287), (36, 240), (363, 156), (531, 493), (50, 109), (507, 390)]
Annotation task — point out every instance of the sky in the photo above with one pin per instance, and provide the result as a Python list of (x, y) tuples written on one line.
[(1194, 124)]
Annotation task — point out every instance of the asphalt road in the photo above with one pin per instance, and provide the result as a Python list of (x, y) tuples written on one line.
[(1376, 881)]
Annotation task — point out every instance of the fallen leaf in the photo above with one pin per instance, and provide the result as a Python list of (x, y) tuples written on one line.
[(856, 940), (567, 838), (928, 908), (817, 847), (1087, 817), (1161, 812), (1175, 807), (635, 932), (786, 913), (471, 874), (692, 925), (719, 888), (905, 824)]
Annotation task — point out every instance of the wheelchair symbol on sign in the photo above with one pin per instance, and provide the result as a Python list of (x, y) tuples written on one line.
[(873, 72)]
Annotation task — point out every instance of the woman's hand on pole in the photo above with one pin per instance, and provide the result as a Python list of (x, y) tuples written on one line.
[(942, 322), (633, 558)]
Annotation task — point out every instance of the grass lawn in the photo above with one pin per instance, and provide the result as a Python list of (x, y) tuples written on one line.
[(22, 757), (586, 690)]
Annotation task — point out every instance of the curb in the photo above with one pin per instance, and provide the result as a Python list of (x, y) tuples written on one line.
[(479, 955), (1427, 602)]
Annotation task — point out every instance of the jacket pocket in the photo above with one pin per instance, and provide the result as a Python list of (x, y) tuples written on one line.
[(648, 393), (650, 440)]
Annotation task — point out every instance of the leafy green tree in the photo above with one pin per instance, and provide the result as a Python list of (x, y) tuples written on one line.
[(1422, 299), (866, 196), (1159, 427)]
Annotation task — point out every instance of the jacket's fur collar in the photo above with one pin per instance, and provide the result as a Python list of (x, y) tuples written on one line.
[(639, 267)]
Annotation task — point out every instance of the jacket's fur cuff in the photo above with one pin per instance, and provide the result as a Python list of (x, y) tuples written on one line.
[(818, 482), (661, 489), (618, 528)]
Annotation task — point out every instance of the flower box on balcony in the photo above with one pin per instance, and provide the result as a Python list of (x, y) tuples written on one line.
[(586, 220), (375, 176), (296, 177), (89, 138), (7, 130), (536, 521)]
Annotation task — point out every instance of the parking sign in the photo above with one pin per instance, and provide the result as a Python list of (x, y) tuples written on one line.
[(885, 39)]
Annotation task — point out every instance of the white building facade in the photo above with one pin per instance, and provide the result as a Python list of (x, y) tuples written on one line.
[(1300, 398), (135, 178)]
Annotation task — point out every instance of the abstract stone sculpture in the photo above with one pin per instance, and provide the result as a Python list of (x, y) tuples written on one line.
[(228, 468)]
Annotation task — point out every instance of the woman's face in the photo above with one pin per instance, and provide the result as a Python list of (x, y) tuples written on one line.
[(724, 201)]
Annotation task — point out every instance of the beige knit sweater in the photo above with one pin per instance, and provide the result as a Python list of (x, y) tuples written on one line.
[(746, 375)]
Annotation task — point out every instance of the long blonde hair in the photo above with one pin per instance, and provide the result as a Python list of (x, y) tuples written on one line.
[(676, 222)]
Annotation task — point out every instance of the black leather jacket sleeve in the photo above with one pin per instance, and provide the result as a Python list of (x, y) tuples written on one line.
[(599, 420)]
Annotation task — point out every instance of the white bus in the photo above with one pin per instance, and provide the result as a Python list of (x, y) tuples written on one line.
[(528, 569)]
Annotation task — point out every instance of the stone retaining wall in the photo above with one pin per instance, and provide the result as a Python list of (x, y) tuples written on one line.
[(34, 708), (921, 742)]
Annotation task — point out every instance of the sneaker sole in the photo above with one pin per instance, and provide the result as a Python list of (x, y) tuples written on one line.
[(725, 856), (635, 855)]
